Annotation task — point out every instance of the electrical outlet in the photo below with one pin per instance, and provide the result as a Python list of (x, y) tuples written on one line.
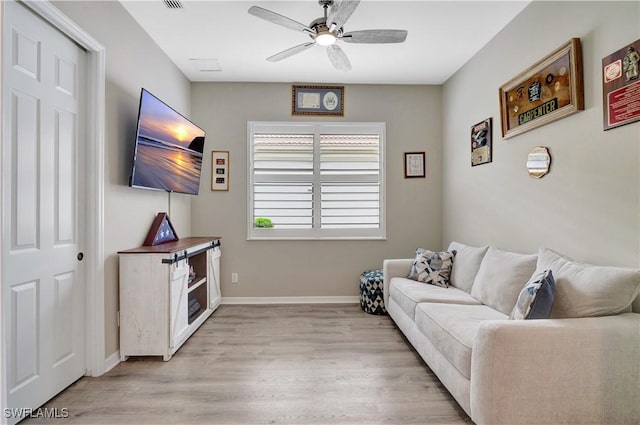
[(234, 277)]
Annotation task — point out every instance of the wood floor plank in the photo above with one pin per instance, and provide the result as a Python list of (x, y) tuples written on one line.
[(288, 364)]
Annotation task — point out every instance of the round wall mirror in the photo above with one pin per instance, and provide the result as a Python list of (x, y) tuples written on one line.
[(539, 162)]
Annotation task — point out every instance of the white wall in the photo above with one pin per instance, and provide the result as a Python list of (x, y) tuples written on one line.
[(133, 61), (588, 207), (317, 268)]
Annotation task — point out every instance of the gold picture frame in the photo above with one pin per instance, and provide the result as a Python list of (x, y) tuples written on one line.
[(550, 89), (220, 170)]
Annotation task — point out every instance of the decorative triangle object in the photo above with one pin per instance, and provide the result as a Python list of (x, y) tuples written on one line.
[(161, 231)]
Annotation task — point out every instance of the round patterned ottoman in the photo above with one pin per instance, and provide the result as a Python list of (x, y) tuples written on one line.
[(371, 295)]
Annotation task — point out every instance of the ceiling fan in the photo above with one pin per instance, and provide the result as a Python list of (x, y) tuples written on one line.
[(328, 29)]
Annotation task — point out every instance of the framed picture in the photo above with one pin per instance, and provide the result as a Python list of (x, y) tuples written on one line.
[(621, 86), (317, 100), (481, 135), (219, 170), (546, 91), (161, 231), (413, 164)]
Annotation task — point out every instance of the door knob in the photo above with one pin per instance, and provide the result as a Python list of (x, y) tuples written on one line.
[(80, 256)]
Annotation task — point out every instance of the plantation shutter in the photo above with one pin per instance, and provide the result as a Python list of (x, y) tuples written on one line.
[(323, 181), (350, 181), (283, 180)]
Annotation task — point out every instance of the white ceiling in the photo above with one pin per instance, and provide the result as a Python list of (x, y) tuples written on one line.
[(443, 35)]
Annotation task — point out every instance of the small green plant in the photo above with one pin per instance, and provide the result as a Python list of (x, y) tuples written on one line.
[(263, 223)]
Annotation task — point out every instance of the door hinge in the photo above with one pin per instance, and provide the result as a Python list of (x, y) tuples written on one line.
[(118, 318)]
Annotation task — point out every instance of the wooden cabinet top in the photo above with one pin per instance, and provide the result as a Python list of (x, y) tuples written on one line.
[(170, 247)]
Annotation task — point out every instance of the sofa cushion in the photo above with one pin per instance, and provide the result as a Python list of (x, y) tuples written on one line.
[(500, 279), (408, 293), (466, 264), (451, 328), (585, 290), (536, 298), (432, 267)]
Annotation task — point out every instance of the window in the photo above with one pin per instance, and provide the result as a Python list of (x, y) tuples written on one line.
[(316, 180)]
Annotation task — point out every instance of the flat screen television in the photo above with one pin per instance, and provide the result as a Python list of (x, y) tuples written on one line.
[(168, 150)]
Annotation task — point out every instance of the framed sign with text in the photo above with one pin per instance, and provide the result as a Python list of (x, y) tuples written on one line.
[(317, 100), (621, 86), (549, 90)]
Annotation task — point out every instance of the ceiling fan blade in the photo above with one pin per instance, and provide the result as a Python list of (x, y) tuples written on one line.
[(375, 36), (340, 12), (290, 52), (278, 19), (338, 58)]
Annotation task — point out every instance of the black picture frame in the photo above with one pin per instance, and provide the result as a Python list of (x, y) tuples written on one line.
[(414, 165), (482, 142)]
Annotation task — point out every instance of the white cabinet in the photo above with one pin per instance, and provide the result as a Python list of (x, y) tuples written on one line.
[(166, 292)]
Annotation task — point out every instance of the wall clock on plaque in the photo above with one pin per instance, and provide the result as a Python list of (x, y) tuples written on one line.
[(161, 231)]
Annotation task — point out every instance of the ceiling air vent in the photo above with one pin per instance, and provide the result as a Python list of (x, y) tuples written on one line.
[(173, 4)]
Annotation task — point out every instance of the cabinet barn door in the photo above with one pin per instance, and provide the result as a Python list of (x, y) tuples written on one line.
[(179, 316), (213, 273)]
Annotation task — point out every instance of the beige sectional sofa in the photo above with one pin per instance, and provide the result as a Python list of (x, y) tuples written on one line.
[(580, 366)]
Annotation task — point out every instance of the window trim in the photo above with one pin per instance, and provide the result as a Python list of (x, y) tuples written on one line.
[(316, 128)]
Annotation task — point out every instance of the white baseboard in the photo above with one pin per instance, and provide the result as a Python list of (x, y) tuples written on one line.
[(291, 300), (111, 361)]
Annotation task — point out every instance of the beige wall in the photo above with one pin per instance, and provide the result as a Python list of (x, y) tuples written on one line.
[(133, 61), (588, 207), (317, 268)]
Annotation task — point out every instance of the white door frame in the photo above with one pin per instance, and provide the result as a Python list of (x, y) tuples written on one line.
[(96, 76)]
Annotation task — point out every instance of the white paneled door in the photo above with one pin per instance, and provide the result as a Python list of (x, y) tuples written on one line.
[(43, 155)]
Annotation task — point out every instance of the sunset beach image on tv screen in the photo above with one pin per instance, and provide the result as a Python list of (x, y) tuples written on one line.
[(168, 149)]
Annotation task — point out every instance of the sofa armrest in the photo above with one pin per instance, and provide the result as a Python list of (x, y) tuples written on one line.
[(394, 268), (583, 370)]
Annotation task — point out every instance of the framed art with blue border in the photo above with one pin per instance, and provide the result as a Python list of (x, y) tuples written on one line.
[(317, 100), (161, 231)]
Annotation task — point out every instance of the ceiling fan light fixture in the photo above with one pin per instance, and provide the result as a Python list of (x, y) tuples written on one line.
[(325, 38)]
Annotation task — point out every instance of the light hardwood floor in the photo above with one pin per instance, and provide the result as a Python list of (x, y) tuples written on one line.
[(294, 364)]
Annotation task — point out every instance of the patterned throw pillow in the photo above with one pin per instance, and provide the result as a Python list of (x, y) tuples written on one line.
[(536, 298), (432, 267)]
